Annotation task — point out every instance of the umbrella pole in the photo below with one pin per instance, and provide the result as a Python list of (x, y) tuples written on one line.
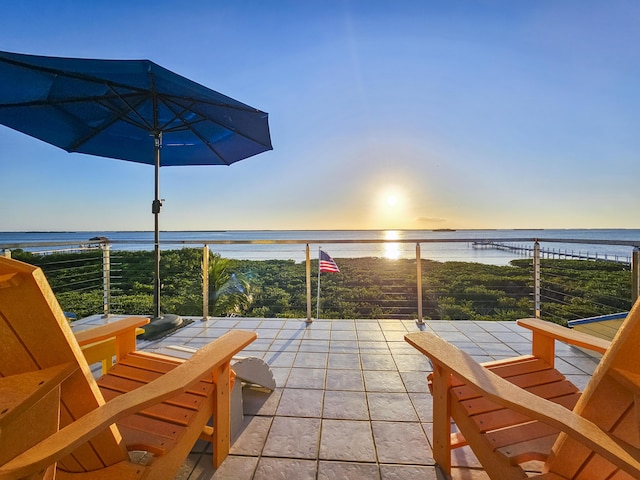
[(155, 208), (159, 323)]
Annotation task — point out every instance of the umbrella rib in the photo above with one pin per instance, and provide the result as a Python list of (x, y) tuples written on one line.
[(204, 119), (122, 116), (57, 72), (186, 124)]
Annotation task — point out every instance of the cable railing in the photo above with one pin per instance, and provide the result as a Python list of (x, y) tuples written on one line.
[(397, 278)]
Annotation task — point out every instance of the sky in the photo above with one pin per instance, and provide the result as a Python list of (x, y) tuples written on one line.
[(423, 114)]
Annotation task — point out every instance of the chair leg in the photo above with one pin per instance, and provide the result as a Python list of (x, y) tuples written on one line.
[(222, 415), (441, 382)]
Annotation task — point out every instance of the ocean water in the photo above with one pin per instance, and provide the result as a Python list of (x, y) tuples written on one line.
[(436, 245)]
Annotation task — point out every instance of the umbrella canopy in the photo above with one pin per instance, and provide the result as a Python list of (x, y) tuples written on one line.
[(132, 110)]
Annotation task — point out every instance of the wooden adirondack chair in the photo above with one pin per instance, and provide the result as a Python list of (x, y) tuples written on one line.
[(502, 413), (57, 421)]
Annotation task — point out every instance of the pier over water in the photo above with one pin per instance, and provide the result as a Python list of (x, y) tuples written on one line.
[(527, 250)]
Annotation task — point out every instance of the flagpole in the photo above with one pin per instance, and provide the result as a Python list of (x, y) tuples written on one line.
[(318, 304)]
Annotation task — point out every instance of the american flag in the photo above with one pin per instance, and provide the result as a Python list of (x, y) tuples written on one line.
[(327, 264)]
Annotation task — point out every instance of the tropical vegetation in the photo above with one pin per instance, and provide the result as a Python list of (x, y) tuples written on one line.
[(364, 288)]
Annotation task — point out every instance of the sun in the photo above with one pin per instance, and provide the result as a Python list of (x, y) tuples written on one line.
[(392, 200)]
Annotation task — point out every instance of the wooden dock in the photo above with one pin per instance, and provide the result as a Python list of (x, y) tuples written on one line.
[(527, 250)]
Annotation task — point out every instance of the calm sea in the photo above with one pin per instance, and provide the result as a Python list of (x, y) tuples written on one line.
[(455, 246)]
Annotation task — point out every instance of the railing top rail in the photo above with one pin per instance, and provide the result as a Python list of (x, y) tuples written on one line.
[(320, 241)]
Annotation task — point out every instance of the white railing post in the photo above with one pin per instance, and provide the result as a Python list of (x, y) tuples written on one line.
[(106, 279), (7, 253), (205, 282), (635, 274), (309, 319), (536, 279), (419, 283)]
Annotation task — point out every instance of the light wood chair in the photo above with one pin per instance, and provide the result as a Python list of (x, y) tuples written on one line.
[(517, 410), (57, 421)]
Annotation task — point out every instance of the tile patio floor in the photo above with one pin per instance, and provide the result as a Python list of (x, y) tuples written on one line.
[(351, 399)]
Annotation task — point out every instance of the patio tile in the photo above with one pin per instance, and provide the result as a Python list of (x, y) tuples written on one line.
[(285, 469), (453, 336), (321, 324), (511, 337), (280, 375), (373, 346), (408, 472), (348, 470), (391, 406), (371, 329), (439, 326), (415, 381), (423, 405), (391, 325), (280, 359), (260, 401), (279, 345), (372, 361), (235, 468), (272, 324), (413, 362), (383, 381), (306, 378), (343, 325), (315, 334), (347, 440), (311, 360), (394, 335), (370, 335), (343, 346), (300, 403), (344, 380), (344, 361), (314, 346), (267, 333), (343, 335), (401, 348), (500, 326), (253, 436), (401, 442), (293, 438), (345, 405)]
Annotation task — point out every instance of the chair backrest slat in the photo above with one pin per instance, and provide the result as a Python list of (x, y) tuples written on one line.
[(609, 401), (36, 335)]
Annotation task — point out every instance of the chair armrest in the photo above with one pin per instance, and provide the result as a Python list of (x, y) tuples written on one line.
[(123, 332), (453, 361), (110, 330), (564, 334), (205, 361)]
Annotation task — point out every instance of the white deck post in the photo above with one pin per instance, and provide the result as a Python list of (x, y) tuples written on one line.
[(205, 282), (536, 279), (309, 319), (106, 279), (635, 274), (419, 283)]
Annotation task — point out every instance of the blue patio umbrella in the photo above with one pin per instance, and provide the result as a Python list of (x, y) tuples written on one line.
[(132, 110)]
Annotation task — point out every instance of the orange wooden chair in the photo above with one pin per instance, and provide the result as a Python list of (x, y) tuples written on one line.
[(57, 421), (517, 410)]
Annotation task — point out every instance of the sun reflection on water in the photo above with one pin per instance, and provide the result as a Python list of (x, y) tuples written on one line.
[(391, 250)]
